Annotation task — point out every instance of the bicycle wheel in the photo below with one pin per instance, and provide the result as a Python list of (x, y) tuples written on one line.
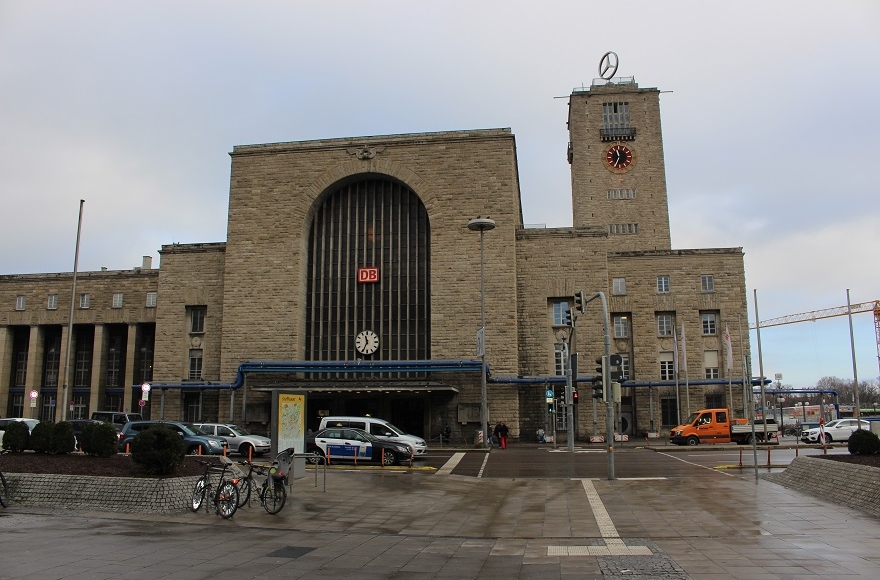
[(274, 497), (227, 499), (198, 495), (4, 491), (244, 490)]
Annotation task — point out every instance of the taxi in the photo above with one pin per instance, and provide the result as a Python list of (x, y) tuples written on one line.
[(347, 443)]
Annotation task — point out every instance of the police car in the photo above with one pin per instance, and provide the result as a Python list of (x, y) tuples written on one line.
[(349, 444)]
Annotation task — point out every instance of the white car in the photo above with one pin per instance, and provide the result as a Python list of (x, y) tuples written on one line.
[(4, 422), (837, 430)]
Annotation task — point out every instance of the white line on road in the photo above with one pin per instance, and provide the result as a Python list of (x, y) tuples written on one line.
[(697, 464), (450, 464)]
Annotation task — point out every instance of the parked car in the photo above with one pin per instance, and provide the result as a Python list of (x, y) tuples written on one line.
[(237, 438), (4, 422), (348, 443), (378, 428), (79, 424), (837, 430), (193, 438), (117, 418)]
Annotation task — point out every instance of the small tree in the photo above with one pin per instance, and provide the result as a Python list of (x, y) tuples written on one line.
[(100, 439), (17, 437), (63, 439), (159, 450), (863, 442), (41, 437)]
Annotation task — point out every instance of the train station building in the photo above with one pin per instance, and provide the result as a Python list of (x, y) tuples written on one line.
[(349, 273)]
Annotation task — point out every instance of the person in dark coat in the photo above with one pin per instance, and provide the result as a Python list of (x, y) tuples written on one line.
[(501, 432)]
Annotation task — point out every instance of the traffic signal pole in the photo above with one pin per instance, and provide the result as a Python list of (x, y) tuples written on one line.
[(606, 380)]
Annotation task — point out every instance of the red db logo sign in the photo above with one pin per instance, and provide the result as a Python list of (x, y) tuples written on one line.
[(368, 275)]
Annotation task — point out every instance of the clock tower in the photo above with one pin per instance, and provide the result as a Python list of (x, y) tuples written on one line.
[(618, 177)]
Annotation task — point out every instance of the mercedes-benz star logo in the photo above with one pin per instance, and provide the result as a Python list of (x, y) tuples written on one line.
[(608, 65)]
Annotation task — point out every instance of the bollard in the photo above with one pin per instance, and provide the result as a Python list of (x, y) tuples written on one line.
[(200, 449), (250, 453), (740, 457), (768, 457), (128, 448)]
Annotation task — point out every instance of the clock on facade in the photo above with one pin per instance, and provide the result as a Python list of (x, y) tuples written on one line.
[(367, 342), (619, 157)]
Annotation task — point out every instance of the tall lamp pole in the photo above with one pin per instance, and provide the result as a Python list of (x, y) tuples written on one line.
[(483, 224)]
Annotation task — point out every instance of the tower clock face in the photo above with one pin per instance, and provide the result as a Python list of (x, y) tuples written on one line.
[(618, 158), (367, 342)]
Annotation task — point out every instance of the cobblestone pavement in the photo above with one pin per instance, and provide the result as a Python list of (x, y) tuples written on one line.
[(682, 522)]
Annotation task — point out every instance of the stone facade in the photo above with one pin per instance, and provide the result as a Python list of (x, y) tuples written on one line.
[(254, 288)]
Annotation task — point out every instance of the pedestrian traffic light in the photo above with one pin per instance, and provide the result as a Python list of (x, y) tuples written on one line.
[(579, 304), (598, 381), (574, 396), (550, 407)]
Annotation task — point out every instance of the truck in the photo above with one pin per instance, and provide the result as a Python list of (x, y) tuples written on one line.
[(717, 426)]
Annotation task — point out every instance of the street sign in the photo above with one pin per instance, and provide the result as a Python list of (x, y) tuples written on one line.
[(145, 388), (34, 395), (549, 393), (142, 403), (481, 342)]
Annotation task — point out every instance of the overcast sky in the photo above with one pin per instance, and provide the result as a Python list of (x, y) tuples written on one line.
[(770, 125)]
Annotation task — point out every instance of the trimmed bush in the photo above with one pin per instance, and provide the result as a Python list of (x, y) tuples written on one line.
[(41, 437), (63, 439), (17, 437), (863, 442), (102, 439), (159, 450)]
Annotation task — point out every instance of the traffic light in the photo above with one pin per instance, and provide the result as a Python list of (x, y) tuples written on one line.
[(574, 396), (598, 381), (579, 304), (615, 392), (615, 361), (567, 319), (550, 407)]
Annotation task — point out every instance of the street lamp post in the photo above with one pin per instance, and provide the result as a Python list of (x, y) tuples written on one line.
[(482, 225)]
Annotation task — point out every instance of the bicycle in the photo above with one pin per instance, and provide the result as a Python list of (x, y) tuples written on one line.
[(224, 495), (272, 492)]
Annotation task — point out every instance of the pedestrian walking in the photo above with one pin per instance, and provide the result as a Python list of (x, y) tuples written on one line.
[(501, 432)]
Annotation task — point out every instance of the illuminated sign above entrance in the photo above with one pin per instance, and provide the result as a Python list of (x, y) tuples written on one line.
[(368, 275)]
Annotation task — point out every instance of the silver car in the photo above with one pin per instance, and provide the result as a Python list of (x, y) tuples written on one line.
[(238, 438), (837, 430)]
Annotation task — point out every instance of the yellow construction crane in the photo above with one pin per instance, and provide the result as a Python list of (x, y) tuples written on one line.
[(830, 313)]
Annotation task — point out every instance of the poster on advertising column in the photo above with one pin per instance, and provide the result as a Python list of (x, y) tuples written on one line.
[(290, 421)]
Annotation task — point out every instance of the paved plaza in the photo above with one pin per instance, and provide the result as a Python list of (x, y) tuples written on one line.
[(528, 512)]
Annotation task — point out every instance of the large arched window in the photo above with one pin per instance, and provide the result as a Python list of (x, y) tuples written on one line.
[(369, 223)]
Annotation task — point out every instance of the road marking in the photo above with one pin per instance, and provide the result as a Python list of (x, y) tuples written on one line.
[(697, 464), (614, 545), (450, 464), (483, 466)]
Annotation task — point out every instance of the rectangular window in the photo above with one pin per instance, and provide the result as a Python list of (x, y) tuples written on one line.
[(80, 404), (618, 286), (665, 322), (195, 364), (667, 372), (47, 408), (621, 229), (621, 194), (615, 120), (715, 401), (52, 304), (621, 326), (710, 364), (624, 366), (21, 368), (114, 362), (662, 284), (20, 302), (16, 404), (707, 283), (668, 412), (197, 319), (151, 299), (710, 323), (560, 310), (84, 300), (559, 359), (117, 300), (52, 359), (83, 368)]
